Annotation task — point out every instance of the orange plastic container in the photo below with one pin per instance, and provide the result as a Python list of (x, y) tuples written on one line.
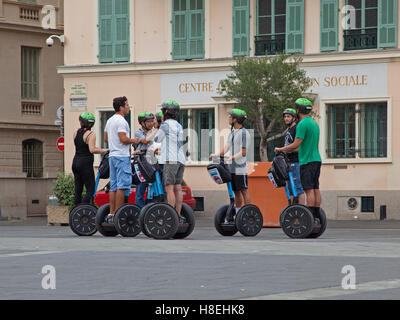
[(264, 195)]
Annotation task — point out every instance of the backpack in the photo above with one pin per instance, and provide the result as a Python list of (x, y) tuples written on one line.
[(219, 173), (142, 170), (104, 167), (279, 173)]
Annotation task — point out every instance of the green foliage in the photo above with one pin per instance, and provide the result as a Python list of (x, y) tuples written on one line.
[(64, 190), (272, 83)]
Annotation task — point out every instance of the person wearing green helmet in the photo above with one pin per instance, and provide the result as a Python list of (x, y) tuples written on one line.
[(307, 142), (146, 120), (290, 118), (82, 164), (238, 144)]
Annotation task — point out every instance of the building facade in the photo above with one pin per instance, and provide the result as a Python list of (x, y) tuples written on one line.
[(30, 91), (152, 50)]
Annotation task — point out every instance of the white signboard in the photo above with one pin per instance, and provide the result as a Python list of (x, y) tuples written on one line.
[(349, 81), (78, 97), (191, 88)]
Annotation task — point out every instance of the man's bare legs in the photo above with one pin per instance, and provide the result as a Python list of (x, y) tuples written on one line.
[(117, 199)]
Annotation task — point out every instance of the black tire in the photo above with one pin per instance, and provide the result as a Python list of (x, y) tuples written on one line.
[(219, 220), (101, 215), (126, 220), (324, 224), (82, 220), (161, 221), (297, 221), (249, 220), (188, 213), (141, 218)]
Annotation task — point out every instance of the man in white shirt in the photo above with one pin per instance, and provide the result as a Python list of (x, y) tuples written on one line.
[(117, 135)]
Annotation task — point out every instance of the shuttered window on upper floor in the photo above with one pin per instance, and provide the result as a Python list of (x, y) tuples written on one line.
[(241, 27), (329, 25), (114, 31), (187, 29)]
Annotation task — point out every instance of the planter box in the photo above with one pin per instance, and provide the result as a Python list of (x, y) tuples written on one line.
[(58, 215)]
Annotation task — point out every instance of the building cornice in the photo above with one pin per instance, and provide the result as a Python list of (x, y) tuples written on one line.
[(222, 64), (20, 27), (27, 126)]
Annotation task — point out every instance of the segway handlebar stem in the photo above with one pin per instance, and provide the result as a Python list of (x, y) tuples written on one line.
[(230, 190), (97, 184)]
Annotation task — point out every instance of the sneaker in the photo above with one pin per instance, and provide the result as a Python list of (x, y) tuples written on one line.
[(110, 218)]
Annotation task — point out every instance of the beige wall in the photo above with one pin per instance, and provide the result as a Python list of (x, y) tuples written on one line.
[(220, 29), (311, 24)]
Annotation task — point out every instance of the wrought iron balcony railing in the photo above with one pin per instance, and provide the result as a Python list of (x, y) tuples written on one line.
[(264, 45), (360, 39)]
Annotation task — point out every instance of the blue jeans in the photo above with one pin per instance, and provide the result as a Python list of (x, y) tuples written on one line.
[(140, 191), (296, 178)]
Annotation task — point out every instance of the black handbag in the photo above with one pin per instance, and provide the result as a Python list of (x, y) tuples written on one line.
[(104, 167), (219, 173), (142, 170), (279, 173)]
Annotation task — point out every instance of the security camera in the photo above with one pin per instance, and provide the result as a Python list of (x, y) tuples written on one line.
[(50, 41)]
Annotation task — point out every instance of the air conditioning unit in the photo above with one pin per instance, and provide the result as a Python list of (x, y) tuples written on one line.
[(349, 205)]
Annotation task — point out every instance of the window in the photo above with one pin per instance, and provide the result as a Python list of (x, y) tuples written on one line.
[(30, 73), (200, 122), (104, 116), (280, 26), (357, 130), (114, 31), (32, 158), (241, 27), (187, 29), (329, 25)]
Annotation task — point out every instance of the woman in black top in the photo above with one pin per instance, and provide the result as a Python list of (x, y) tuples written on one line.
[(82, 165)]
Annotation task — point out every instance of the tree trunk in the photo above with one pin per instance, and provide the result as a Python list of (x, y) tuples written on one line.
[(264, 140)]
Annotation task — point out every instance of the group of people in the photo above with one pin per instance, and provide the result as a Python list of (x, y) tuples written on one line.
[(162, 135)]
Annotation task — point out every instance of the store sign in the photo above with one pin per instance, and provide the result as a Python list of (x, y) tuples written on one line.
[(329, 82), (349, 81), (192, 88), (78, 97)]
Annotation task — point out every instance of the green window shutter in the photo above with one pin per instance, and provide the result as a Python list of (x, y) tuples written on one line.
[(187, 29), (295, 26), (329, 25), (196, 29), (121, 37), (241, 27), (106, 50), (387, 23)]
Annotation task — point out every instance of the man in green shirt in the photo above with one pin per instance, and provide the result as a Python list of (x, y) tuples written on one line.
[(307, 142)]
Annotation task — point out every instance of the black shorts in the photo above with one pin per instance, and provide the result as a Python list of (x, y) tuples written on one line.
[(310, 175), (239, 182)]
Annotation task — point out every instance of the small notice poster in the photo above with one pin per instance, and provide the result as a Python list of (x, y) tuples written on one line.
[(78, 97)]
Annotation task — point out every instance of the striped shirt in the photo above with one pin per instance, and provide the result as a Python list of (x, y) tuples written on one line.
[(170, 136)]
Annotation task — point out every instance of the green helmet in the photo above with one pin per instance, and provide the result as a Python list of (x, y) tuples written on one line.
[(87, 119), (290, 111), (144, 116), (303, 105), (238, 114), (159, 116), (171, 108)]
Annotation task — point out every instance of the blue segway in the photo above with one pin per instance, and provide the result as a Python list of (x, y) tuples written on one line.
[(297, 221), (158, 219), (248, 221), (82, 219)]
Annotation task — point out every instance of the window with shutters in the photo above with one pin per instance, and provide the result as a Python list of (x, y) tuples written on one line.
[(241, 27), (364, 33), (280, 27), (357, 130), (329, 25), (114, 31), (30, 73), (187, 29)]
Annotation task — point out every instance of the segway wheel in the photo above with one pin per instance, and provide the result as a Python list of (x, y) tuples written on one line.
[(226, 230), (161, 221), (249, 221), (297, 221), (141, 218), (82, 220), (107, 231), (188, 228), (127, 220), (324, 224)]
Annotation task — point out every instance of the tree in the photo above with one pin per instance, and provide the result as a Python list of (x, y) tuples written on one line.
[(264, 87)]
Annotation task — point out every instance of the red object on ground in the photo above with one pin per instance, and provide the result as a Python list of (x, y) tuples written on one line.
[(60, 144), (102, 197)]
